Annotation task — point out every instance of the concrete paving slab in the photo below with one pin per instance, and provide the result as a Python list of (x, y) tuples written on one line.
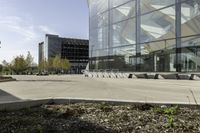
[(36, 87)]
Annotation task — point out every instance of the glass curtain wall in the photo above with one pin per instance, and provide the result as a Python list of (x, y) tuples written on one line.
[(190, 30), (157, 24), (145, 35)]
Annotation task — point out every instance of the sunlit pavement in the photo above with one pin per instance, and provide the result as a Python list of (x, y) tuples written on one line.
[(71, 86)]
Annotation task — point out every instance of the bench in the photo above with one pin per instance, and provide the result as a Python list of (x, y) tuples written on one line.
[(142, 76), (185, 77), (170, 76)]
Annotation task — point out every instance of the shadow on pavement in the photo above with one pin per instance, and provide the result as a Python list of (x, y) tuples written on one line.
[(5, 97)]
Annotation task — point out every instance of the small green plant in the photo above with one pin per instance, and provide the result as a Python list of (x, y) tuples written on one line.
[(170, 121), (105, 107), (167, 111), (171, 111)]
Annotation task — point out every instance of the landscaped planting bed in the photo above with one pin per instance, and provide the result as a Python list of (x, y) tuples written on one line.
[(101, 118)]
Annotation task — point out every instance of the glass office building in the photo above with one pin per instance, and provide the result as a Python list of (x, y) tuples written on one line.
[(75, 50), (145, 35)]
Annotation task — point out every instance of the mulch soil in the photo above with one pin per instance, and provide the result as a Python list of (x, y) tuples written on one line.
[(101, 118)]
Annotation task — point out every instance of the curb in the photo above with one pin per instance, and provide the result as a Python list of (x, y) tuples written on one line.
[(119, 102), (7, 80), (18, 105)]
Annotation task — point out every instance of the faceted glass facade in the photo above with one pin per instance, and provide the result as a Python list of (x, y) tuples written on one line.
[(145, 35)]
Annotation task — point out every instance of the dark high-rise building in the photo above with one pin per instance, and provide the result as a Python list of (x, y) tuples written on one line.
[(41, 52), (75, 50), (145, 35)]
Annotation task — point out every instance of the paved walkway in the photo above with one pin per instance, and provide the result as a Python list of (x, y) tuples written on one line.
[(35, 87)]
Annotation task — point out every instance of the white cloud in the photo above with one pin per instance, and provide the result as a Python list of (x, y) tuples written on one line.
[(47, 30), (25, 28), (21, 34), (19, 26)]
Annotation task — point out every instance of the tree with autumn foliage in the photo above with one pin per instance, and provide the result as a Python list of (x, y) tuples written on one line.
[(19, 64), (60, 65)]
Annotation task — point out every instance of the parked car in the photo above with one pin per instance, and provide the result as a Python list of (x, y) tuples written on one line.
[(42, 74)]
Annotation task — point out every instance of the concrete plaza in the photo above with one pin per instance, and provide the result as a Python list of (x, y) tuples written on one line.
[(71, 86)]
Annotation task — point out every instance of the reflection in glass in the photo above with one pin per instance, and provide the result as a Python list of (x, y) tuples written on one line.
[(114, 35)]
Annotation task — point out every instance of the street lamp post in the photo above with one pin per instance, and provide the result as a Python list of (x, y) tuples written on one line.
[(91, 54), (91, 50)]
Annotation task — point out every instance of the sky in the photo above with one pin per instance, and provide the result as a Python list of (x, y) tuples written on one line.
[(24, 23)]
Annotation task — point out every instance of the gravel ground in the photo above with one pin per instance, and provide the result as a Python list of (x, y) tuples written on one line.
[(101, 118)]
